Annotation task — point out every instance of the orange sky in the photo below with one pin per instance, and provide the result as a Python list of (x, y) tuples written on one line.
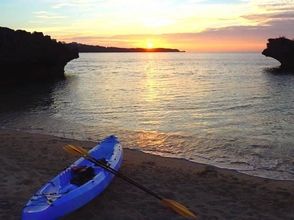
[(191, 25)]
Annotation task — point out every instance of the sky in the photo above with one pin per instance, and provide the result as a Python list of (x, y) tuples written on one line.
[(191, 25)]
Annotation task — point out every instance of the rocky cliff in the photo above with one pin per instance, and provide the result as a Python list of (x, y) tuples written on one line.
[(28, 56), (281, 49)]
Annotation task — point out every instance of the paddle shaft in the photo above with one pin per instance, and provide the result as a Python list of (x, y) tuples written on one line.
[(174, 205), (118, 174)]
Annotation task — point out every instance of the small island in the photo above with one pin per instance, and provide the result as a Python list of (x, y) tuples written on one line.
[(26, 56), (84, 48), (281, 49)]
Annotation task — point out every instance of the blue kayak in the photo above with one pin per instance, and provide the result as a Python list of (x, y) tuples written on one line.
[(76, 185)]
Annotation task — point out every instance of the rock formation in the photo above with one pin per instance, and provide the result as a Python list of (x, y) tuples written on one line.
[(281, 49), (28, 56)]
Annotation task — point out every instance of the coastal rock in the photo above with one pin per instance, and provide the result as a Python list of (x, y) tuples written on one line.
[(28, 56), (281, 49)]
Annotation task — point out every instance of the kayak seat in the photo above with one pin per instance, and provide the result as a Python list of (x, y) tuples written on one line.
[(80, 177)]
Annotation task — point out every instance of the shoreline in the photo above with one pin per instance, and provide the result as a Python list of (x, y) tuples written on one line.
[(211, 192), (200, 160)]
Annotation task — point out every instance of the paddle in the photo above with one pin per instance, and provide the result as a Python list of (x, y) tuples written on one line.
[(177, 207)]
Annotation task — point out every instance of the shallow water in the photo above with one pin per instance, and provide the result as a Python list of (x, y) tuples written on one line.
[(224, 109)]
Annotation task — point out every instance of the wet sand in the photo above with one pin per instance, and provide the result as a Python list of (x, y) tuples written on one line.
[(30, 160)]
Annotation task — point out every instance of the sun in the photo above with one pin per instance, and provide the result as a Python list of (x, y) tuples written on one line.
[(149, 44)]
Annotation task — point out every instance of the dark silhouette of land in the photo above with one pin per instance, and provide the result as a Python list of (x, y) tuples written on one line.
[(84, 48), (28, 56), (281, 49)]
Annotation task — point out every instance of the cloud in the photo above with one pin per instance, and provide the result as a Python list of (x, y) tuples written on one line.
[(261, 18), (47, 15), (230, 39), (74, 3), (220, 25), (110, 17), (267, 10)]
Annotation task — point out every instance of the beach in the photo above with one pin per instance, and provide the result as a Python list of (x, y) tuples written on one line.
[(29, 160), (200, 99)]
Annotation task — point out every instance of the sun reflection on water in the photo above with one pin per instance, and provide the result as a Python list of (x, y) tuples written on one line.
[(151, 82)]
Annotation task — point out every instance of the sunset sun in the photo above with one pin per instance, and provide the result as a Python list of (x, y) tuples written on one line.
[(149, 44)]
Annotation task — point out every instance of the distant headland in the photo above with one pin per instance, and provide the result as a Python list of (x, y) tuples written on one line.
[(26, 56), (84, 48), (281, 49)]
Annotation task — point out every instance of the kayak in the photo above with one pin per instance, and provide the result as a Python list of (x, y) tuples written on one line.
[(76, 185)]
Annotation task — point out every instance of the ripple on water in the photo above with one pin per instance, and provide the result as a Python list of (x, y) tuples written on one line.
[(220, 109)]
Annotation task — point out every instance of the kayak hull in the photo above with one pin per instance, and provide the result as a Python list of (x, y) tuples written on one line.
[(59, 197)]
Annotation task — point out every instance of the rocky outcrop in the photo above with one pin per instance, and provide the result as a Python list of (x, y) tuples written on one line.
[(28, 56), (281, 49)]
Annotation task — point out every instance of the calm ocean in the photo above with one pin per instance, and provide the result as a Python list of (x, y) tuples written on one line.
[(224, 109)]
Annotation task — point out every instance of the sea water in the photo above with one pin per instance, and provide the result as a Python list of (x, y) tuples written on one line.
[(225, 109)]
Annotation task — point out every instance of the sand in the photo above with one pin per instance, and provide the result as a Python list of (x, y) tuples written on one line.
[(30, 160)]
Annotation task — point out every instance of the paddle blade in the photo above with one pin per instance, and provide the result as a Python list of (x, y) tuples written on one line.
[(178, 208), (71, 150), (75, 150), (79, 149)]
